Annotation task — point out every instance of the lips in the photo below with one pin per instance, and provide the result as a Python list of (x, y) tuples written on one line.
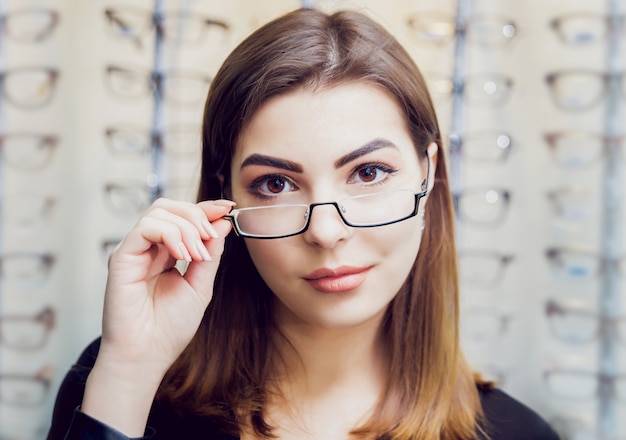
[(341, 279)]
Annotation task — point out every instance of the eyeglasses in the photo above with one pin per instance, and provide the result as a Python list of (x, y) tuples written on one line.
[(440, 28), (578, 90), (133, 198), (583, 28), (25, 390), (483, 267), (29, 25), (28, 87), (26, 332), (27, 151), (178, 87), (131, 139), (484, 207), (572, 203), (487, 90), (180, 26), (361, 211), (581, 263), (576, 149), (25, 268), (487, 146), (27, 210), (483, 324), (576, 324), (583, 385)]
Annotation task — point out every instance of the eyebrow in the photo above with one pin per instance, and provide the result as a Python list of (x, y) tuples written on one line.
[(374, 145), (274, 162)]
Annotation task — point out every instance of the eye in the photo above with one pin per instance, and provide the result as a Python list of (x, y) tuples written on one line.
[(268, 186), (371, 173)]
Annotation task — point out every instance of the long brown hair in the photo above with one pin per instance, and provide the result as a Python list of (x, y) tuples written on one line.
[(223, 373)]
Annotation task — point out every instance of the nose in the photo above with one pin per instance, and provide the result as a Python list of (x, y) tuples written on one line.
[(326, 227)]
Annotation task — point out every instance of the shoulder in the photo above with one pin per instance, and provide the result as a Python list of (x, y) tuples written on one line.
[(507, 418)]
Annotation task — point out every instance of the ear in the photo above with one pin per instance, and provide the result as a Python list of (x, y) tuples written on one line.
[(430, 167)]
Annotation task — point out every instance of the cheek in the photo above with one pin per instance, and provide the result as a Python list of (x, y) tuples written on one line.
[(270, 257)]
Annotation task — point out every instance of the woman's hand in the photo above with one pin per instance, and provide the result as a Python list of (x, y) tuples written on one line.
[(151, 310)]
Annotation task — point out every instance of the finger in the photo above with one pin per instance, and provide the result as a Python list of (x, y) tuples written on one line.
[(199, 214), (201, 275)]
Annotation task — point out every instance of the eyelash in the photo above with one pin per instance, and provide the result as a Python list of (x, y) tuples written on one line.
[(389, 171), (256, 184)]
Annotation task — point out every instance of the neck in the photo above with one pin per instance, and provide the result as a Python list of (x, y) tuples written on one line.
[(320, 360)]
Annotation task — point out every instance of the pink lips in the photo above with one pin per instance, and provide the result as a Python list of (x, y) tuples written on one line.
[(341, 279)]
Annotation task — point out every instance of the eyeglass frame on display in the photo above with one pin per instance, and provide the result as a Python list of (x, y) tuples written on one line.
[(44, 260), (467, 28), (462, 141), (45, 319), (156, 21), (52, 73), (552, 141), (503, 194), (487, 78), (605, 78), (43, 34), (154, 80), (605, 383), (603, 323), (47, 141), (42, 378), (553, 253), (152, 138), (556, 25), (501, 259)]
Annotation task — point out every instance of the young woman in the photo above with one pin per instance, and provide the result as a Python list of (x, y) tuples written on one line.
[(331, 312)]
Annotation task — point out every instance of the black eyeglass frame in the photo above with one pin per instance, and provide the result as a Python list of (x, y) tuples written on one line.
[(233, 217)]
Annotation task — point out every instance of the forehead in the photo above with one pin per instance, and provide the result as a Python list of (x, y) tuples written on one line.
[(307, 125)]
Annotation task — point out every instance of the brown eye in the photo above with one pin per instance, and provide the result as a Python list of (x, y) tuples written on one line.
[(368, 174), (276, 185)]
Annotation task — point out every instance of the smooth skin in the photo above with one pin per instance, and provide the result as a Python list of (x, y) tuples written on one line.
[(336, 373)]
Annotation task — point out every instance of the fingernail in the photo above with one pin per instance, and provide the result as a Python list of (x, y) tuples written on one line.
[(208, 227), (225, 203), (202, 249), (185, 252)]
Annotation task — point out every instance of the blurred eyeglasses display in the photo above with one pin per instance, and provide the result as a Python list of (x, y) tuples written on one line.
[(28, 25), (576, 149), (578, 90), (27, 151), (23, 332), (575, 323), (25, 268), (130, 198), (580, 28), (178, 87), (438, 28), (581, 263), (481, 89), (180, 140), (178, 26), (484, 147), (580, 384), (20, 389), (482, 207), (483, 267), (28, 87)]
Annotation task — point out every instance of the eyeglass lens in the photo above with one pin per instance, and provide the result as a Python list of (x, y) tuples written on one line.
[(361, 210)]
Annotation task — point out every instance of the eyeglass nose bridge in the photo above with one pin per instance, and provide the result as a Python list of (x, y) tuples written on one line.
[(338, 207)]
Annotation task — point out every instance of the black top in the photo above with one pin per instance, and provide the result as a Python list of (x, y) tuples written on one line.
[(507, 419)]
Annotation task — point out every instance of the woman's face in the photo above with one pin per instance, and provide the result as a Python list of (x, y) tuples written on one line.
[(323, 146)]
